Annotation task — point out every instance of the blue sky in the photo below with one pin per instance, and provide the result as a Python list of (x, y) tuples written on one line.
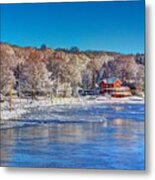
[(109, 26)]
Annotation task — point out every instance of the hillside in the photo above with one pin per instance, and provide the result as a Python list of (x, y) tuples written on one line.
[(45, 69)]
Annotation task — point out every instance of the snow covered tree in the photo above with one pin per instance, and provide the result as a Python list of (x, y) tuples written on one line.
[(93, 69), (34, 78), (87, 79), (7, 78), (127, 68), (76, 79), (54, 67), (65, 74), (7, 64), (124, 67), (140, 76)]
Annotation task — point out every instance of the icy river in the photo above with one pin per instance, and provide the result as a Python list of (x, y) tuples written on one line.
[(102, 136)]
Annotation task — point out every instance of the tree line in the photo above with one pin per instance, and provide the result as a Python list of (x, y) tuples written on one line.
[(42, 72)]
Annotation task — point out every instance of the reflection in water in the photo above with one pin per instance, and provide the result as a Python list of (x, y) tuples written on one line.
[(117, 143)]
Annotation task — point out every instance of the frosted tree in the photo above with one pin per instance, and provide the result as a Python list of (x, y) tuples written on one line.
[(93, 68), (65, 74), (34, 78), (140, 76), (75, 78), (127, 68), (54, 66), (7, 65), (124, 67), (70, 73), (7, 79), (87, 79)]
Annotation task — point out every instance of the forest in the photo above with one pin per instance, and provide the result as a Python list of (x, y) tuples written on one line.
[(63, 72)]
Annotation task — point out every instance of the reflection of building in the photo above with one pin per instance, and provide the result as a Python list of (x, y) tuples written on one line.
[(112, 86)]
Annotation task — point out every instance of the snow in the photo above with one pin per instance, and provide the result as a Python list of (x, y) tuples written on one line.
[(129, 100), (26, 109)]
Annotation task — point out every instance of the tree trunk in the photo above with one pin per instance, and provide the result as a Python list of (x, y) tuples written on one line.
[(93, 81)]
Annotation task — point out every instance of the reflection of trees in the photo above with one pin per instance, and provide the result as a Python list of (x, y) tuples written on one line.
[(58, 139), (126, 131), (7, 143)]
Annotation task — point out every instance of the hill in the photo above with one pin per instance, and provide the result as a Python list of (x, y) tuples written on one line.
[(61, 71)]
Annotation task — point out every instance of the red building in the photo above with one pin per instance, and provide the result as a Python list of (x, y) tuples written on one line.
[(112, 86)]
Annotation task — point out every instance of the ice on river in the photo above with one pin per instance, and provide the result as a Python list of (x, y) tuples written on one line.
[(27, 112)]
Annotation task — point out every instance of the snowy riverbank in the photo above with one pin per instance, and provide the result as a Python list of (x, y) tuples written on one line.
[(22, 107)]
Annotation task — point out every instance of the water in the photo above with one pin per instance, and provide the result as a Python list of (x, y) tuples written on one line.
[(92, 136)]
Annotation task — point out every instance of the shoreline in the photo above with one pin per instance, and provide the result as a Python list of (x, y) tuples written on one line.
[(22, 107)]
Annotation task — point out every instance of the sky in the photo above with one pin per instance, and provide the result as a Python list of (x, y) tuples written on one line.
[(108, 26)]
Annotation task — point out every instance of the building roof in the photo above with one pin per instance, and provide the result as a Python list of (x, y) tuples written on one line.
[(109, 80)]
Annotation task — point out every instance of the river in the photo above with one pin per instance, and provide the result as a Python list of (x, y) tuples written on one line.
[(99, 136)]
